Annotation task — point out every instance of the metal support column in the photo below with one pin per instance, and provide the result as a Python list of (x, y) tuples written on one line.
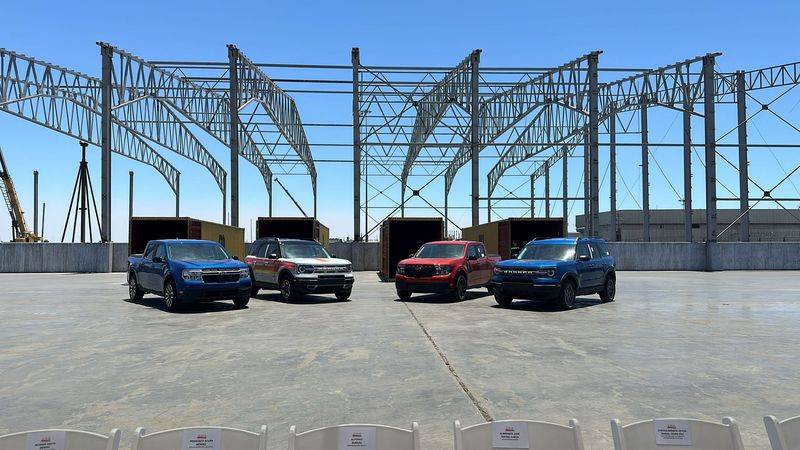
[(35, 203), (225, 199), (612, 173), (446, 216), (233, 99), (475, 59), (565, 187), (709, 91), (587, 209), (269, 208), (533, 196), (744, 191), (546, 190), (645, 173), (177, 195), (355, 58), (594, 171), (130, 196), (687, 165), (105, 143)]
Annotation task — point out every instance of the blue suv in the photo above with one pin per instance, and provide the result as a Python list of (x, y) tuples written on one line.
[(557, 269)]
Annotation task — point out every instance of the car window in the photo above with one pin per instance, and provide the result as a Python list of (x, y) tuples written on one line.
[(603, 249), (472, 252), (596, 252), (160, 251), (256, 248), (582, 250), (272, 248), (149, 251)]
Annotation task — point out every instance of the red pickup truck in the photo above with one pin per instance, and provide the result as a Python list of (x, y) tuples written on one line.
[(445, 267)]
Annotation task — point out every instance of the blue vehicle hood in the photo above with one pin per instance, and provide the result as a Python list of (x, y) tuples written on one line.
[(210, 264), (530, 263)]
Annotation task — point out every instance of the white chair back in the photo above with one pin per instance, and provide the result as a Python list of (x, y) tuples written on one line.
[(683, 434), (60, 440), (525, 434), (356, 437), (783, 435), (191, 438)]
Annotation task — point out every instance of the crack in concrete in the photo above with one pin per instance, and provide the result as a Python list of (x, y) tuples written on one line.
[(472, 398)]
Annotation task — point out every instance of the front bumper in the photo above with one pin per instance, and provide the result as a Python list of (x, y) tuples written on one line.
[(323, 284), (199, 291), (526, 289), (434, 285)]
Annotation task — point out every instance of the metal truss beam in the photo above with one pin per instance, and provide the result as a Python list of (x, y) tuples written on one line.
[(63, 101), (255, 85), (135, 78), (454, 88), (567, 85)]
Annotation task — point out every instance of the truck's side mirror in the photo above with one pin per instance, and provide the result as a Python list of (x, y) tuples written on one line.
[(333, 256), (235, 257), (273, 256), (514, 255), (410, 255), (158, 259), (583, 258)]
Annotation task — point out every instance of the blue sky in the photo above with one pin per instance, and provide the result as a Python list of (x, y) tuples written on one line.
[(631, 34)]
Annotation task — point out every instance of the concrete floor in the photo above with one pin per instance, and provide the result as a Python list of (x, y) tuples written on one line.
[(74, 353)]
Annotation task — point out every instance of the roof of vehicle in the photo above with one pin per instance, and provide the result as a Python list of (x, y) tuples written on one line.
[(284, 240), (184, 241), (565, 240), (453, 242)]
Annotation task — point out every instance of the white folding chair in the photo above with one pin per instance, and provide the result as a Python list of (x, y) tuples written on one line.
[(658, 434), (508, 434), (783, 435), (356, 437), (216, 438), (60, 439)]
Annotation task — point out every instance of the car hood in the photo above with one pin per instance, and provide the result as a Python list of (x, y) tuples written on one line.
[(526, 263), (430, 261), (210, 264), (320, 261)]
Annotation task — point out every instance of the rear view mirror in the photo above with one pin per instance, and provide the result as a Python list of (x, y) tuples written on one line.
[(158, 259), (273, 256), (410, 255), (514, 256), (583, 258), (333, 256), (235, 257)]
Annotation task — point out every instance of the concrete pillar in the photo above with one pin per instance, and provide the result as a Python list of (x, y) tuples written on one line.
[(475, 59), (744, 191), (645, 174), (355, 59), (612, 169), (709, 91), (233, 118), (687, 166)]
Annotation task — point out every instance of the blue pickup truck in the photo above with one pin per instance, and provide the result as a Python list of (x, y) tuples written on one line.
[(557, 269), (187, 270)]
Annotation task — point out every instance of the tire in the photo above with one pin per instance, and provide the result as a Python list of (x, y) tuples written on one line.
[(343, 296), (460, 292), (134, 293), (609, 289), (566, 298), (502, 300), (490, 289), (171, 300), (287, 290), (241, 302), (253, 288), (404, 295)]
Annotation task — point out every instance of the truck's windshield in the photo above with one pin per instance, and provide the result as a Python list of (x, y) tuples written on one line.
[(441, 251), (198, 251), (300, 249), (552, 252)]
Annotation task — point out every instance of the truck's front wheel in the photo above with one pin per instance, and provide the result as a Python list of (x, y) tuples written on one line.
[(134, 292), (171, 301), (287, 289), (566, 298), (501, 299), (460, 292)]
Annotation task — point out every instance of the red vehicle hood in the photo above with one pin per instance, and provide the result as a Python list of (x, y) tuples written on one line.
[(431, 261)]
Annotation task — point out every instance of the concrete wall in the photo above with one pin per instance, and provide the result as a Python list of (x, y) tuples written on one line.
[(119, 261), (755, 256), (363, 255), (658, 255), (53, 257)]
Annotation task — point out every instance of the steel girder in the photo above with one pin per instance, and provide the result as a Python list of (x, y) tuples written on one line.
[(255, 85), (135, 78), (66, 101), (567, 84), (454, 88)]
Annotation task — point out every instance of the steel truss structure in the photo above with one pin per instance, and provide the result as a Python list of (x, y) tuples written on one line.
[(414, 128)]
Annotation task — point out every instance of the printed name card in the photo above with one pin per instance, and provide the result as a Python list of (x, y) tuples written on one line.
[(357, 438), (510, 435), (46, 440), (202, 438), (672, 432)]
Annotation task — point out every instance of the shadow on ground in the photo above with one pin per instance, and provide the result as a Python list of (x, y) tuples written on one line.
[(188, 308), (444, 298), (302, 300), (549, 305)]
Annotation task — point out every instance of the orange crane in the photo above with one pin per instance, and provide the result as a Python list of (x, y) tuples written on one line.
[(20, 232)]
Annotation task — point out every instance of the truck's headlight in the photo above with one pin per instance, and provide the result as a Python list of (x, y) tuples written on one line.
[(305, 269), (442, 270), (244, 273), (550, 273), (192, 274), (498, 271), (401, 269), (348, 268)]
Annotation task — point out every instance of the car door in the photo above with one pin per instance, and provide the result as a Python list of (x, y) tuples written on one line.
[(272, 262), (584, 267), (473, 266), (485, 266), (158, 268), (258, 261), (598, 265), (144, 275)]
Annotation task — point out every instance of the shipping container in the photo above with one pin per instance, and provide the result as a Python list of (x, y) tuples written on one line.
[(507, 237), (401, 237), (143, 229), (293, 228)]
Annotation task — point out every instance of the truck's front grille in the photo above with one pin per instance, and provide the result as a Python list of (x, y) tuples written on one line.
[(331, 269), (420, 271), (220, 275)]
